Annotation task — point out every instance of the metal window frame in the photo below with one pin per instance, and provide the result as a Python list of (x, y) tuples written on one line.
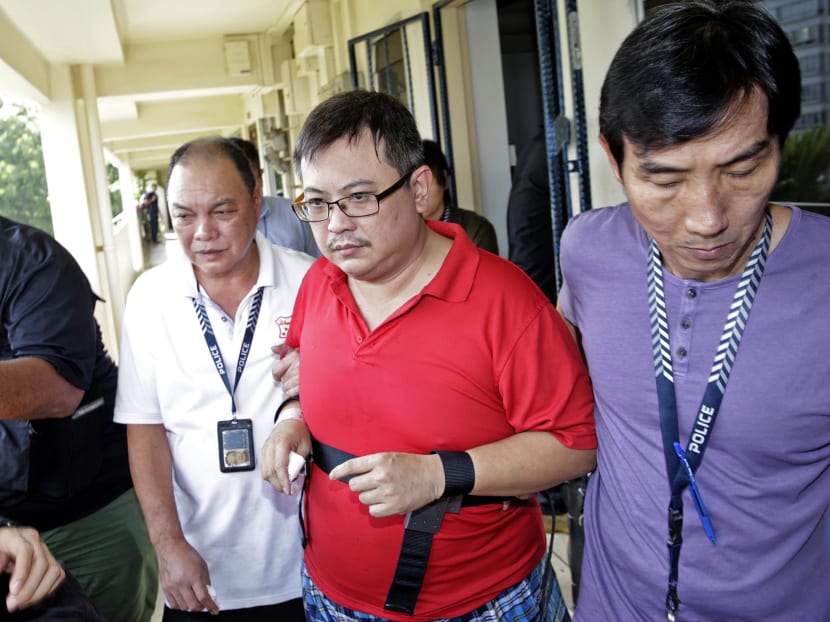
[(383, 33)]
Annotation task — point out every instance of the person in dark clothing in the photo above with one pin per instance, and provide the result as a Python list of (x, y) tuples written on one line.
[(477, 227), (35, 587), (63, 461), (150, 202), (529, 225)]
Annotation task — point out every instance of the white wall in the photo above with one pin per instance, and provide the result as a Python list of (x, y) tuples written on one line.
[(603, 26), (490, 115)]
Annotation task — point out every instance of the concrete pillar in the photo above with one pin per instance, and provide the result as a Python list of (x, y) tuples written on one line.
[(78, 193), (130, 218), (99, 191)]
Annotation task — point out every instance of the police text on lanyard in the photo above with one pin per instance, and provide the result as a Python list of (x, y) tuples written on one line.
[(213, 346), (681, 464), (235, 437)]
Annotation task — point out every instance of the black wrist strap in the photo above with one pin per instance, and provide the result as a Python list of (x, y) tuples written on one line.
[(422, 525), (285, 402), (459, 473)]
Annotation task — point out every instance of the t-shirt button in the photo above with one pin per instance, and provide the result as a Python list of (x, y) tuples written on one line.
[(691, 292), (681, 353), (360, 340), (686, 322)]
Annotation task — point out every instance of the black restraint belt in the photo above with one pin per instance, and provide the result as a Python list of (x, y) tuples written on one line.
[(420, 528)]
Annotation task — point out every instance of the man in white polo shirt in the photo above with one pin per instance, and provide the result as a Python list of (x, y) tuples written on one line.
[(227, 542)]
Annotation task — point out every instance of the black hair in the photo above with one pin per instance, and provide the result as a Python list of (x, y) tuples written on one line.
[(679, 75), (249, 149), (435, 159), (211, 147), (346, 115)]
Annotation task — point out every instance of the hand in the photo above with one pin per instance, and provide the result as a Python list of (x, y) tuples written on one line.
[(287, 369), (184, 577), (287, 436), (393, 483), (35, 574)]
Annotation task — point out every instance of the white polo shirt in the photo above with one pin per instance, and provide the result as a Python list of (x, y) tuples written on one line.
[(247, 532)]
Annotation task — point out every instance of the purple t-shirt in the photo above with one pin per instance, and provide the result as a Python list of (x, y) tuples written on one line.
[(765, 477)]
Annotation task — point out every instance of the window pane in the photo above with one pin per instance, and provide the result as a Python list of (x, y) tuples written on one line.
[(805, 160)]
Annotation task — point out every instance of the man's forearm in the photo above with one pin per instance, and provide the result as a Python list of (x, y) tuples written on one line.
[(30, 388), (151, 469), (526, 463)]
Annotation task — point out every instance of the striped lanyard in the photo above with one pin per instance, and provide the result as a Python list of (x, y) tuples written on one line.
[(213, 345), (682, 464)]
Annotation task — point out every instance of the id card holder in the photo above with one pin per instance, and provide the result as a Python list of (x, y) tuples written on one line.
[(236, 445)]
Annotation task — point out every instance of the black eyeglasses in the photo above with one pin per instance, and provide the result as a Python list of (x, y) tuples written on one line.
[(356, 205)]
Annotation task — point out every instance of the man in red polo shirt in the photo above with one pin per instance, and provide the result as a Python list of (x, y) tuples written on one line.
[(440, 391)]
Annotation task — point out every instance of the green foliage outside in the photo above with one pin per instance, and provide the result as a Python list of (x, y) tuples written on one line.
[(23, 195), (114, 185), (805, 168), (23, 189)]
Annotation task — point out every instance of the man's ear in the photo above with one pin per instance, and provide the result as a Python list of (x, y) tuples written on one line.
[(419, 183), (258, 203), (612, 161)]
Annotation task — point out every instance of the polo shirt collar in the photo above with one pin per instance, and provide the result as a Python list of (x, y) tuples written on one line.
[(455, 278)]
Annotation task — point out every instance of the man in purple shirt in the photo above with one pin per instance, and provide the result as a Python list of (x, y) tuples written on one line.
[(701, 309)]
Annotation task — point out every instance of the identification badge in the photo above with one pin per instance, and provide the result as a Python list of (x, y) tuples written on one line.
[(236, 445)]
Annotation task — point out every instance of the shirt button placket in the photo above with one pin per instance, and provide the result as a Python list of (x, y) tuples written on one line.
[(681, 339)]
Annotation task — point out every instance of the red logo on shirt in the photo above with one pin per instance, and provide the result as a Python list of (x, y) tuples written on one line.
[(283, 322)]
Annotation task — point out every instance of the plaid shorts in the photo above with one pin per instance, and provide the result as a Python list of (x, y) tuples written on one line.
[(520, 602)]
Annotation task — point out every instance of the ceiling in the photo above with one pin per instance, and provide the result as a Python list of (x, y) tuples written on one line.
[(160, 67)]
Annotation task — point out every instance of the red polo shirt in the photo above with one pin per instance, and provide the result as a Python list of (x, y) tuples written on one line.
[(479, 355)]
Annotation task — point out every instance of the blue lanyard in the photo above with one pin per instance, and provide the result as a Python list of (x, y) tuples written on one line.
[(681, 464), (213, 346)]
